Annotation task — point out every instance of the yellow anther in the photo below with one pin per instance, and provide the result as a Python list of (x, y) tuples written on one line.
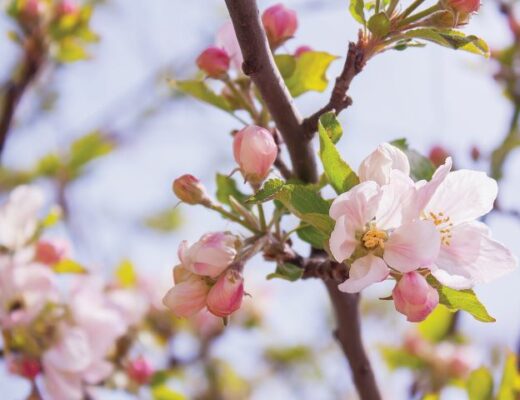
[(374, 238)]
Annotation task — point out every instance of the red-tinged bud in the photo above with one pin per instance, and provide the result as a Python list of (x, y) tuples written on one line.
[(280, 24), (475, 153), (189, 190), (459, 366), (463, 6), (66, 7), (438, 155), (51, 252), (27, 367), (414, 298), (188, 297), (414, 344), (140, 370), (32, 9), (302, 49), (225, 297), (255, 151), (214, 61)]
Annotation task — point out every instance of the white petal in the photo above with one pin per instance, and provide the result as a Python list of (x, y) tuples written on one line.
[(359, 204), (426, 190), (364, 272), (464, 196), (472, 257), (395, 201), (380, 163), (412, 245), (342, 240)]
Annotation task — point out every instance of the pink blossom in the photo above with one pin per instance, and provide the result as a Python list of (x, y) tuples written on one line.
[(280, 24), (24, 366), (210, 256), (414, 298), (301, 50), (190, 190), (464, 6), (255, 151), (51, 252), (225, 297), (66, 7), (188, 297), (381, 162), (140, 370), (213, 61), (131, 304), (226, 39)]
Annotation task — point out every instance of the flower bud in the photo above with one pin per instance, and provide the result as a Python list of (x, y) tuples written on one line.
[(254, 150), (188, 189), (213, 61), (379, 164), (24, 366), (414, 298), (140, 370), (188, 297), (66, 7), (464, 6), (32, 8), (302, 49), (280, 24), (475, 153), (438, 155), (225, 297), (50, 252), (210, 256)]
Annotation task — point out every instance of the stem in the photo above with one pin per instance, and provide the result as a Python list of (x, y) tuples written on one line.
[(420, 15), (261, 215), (245, 101), (226, 214), (411, 8)]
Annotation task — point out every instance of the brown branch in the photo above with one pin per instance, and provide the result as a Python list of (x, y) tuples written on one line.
[(259, 65), (339, 100), (15, 88)]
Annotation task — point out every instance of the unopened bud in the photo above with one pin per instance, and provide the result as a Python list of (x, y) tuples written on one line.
[(463, 6), (475, 153), (140, 370), (51, 252), (225, 297), (213, 61), (66, 7), (255, 151), (188, 189), (414, 298), (301, 50), (438, 155), (280, 24)]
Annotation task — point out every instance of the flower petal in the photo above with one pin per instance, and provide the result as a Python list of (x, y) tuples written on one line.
[(395, 202), (359, 204), (380, 163), (342, 241), (363, 272), (412, 245), (426, 190)]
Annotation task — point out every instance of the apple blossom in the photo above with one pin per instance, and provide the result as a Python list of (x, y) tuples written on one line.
[(414, 298), (140, 370), (190, 190), (50, 252), (280, 24), (210, 255), (255, 151), (214, 62), (301, 50), (379, 164), (225, 297), (188, 297), (226, 39)]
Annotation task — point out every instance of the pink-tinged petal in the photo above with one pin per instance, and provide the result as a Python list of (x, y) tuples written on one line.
[(97, 372), (343, 240), (62, 385), (397, 196), (426, 190), (182, 250), (181, 274), (227, 40), (71, 353), (414, 298), (187, 298), (358, 205), (412, 245), (225, 297), (472, 257), (464, 196), (364, 272), (380, 163)]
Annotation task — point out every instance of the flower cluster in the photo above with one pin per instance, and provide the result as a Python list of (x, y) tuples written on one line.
[(390, 226)]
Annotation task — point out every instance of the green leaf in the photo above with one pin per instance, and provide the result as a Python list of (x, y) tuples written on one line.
[(287, 271), (286, 64), (510, 383), (86, 149), (420, 167), (437, 326), (309, 73), (480, 385), (379, 24), (226, 186), (357, 9), (312, 236), (68, 266), (126, 275), (465, 300), (452, 39), (52, 218), (330, 123), (399, 358), (338, 172), (267, 192), (203, 92), (164, 221), (163, 392), (69, 50), (48, 165)]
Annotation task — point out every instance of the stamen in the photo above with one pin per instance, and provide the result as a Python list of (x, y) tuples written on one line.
[(374, 238), (444, 223)]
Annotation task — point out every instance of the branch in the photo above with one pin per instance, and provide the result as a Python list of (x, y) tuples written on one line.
[(259, 65), (15, 88), (339, 100)]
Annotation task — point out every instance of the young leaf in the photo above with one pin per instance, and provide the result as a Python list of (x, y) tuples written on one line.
[(164, 221), (465, 300), (509, 385), (420, 166), (480, 385), (226, 186), (126, 275), (452, 39), (357, 9), (68, 266), (286, 64), (338, 172), (379, 24), (267, 192), (436, 327), (309, 73), (86, 149), (201, 91), (330, 123), (398, 358), (287, 271), (312, 236)]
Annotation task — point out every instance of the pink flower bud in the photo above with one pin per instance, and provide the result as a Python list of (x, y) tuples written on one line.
[(187, 298), (51, 252), (414, 298), (189, 190), (33, 8), (140, 370), (24, 366), (302, 49), (475, 153), (210, 256), (225, 297), (213, 61), (464, 6), (66, 7), (438, 155), (255, 151), (280, 24)]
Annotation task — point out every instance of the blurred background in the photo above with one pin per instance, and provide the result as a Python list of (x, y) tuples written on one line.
[(122, 206)]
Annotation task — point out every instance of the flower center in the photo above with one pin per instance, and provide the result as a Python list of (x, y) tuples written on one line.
[(374, 238), (443, 224)]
